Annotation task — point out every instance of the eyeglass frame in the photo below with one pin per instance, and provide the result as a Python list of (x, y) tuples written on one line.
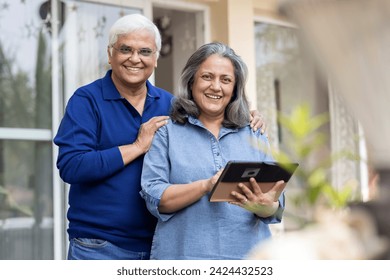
[(130, 51)]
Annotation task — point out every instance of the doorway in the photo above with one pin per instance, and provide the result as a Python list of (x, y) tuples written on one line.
[(182, 33)]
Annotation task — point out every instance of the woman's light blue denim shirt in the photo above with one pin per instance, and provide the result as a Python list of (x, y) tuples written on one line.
[(182, 154)]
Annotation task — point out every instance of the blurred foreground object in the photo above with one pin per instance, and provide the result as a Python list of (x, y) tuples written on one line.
[(351, 40), (361, 232)]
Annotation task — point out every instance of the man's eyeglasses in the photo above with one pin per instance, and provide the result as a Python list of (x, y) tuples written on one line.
[(125, 50)]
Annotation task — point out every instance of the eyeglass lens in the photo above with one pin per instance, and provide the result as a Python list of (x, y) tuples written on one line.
[(130, 50)]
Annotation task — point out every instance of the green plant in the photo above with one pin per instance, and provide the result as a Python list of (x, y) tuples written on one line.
[(306, 140)]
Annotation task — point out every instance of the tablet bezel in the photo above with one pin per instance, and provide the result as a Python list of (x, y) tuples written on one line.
[(235, 172)]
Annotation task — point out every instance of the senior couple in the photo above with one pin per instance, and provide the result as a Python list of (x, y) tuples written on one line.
[(142, 162)]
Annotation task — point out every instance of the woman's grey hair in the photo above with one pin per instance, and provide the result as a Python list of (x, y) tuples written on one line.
[(237, 113), (131, 23)]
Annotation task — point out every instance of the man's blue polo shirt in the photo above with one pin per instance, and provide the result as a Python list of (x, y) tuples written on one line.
[(104, 200)]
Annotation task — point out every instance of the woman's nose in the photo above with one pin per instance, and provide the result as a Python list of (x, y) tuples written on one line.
[(215, 85)]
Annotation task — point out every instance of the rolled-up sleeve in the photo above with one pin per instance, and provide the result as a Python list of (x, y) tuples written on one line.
[(155, 174)]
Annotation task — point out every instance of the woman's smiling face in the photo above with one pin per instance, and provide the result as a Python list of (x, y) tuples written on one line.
[(213, 86)]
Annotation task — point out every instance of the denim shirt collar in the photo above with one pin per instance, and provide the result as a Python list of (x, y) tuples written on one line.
[(224, 130)]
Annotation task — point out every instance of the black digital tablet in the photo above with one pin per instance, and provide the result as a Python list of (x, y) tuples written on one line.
[(265, 173)]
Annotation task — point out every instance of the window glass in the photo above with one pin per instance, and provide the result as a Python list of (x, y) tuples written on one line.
[(26, 210), (25, 84)]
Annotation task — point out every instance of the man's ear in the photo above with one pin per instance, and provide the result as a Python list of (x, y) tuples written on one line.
[(109, 55)]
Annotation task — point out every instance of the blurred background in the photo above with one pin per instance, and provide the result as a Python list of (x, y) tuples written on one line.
[(318, 74)]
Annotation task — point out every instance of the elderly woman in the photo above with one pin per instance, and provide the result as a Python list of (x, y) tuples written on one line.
[(208, 126)]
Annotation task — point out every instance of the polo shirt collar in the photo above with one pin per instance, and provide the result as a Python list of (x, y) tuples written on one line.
[(111, 93)]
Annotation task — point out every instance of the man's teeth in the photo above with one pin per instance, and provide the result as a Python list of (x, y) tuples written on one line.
[(132, 68), (213, 96)]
